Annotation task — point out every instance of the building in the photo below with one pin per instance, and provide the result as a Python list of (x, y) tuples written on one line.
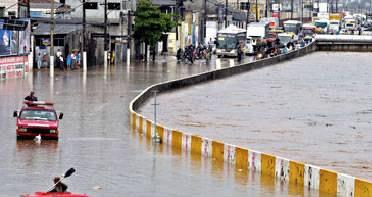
[(70, 33), (15, 39)]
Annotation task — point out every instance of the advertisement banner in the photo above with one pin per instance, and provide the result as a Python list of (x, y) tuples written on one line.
[(13, 67)]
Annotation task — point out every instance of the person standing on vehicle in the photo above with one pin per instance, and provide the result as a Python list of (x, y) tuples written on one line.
[(59, 186), (31, 97)]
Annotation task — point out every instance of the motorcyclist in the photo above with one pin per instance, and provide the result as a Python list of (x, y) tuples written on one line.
[(179, 54), (59, 186)]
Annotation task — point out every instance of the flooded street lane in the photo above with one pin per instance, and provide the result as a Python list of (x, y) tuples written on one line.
[(110, 159), (316, 109)]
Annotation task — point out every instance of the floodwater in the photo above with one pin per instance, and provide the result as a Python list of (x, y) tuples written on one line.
[(315, 109), (111, 160)]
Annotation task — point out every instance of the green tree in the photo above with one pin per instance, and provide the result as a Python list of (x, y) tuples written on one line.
[(150, 24)]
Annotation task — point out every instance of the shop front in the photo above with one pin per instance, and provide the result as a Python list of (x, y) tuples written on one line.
[(14, 48)]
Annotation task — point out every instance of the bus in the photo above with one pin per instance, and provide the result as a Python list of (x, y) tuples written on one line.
[(292, 26), (228, 39)]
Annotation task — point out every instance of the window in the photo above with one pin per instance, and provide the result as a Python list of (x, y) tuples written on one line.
[(2, 9), (124, 5)]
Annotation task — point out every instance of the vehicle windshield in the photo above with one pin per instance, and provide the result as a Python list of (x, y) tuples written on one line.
[(38, 115), (334, 23), (308, 32), (226, 41), (284, 39), (321, 24), (349, 25), (289, 27)]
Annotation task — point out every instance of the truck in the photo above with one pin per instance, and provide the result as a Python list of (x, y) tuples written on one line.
[(258, 32), (350, 24), (321, 25), (334, 23), (37, 118)]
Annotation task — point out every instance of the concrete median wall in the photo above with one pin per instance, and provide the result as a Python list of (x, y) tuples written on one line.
[(295, 173)]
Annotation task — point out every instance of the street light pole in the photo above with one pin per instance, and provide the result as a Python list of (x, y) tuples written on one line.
[(226, 12), (51, 52), (256, 11), (83, 41), (105, 34)]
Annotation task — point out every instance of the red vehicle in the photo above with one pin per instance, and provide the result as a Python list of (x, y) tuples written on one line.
[(37, 118), (55, 194)]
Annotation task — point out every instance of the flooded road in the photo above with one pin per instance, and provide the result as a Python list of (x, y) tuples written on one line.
[(111, 160), (315, 109)]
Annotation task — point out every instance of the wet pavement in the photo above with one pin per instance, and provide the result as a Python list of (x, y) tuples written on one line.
[(110, 159), (315, 109)]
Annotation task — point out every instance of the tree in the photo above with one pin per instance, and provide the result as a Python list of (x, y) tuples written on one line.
[(150, 24)]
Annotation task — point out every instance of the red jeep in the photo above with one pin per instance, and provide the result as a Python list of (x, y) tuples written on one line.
[(37, 118)]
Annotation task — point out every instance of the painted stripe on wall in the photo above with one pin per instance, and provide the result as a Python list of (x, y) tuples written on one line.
[(311, 178), (282, 169), (160, 132), (229, 154), (149, 129), (206, 147), (177, 139), (218, 150), (241, 159), (186, 142), (134, 121), (167, 136), (268, 164), (327, 181), (254, 160), (363, 188), (296, 173), (345, 185), (196, 144), (141, 124)]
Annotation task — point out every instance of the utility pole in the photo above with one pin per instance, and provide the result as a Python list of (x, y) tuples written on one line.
[(129, 35), (226, 12), (256, 11), (83, 41), (105, 34), (205, 22), (51, 52), (266, 8), (291, 9), (248, 6), (302, 10)]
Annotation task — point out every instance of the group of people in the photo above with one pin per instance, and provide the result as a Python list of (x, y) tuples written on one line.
[(190, 53), (72, 60)]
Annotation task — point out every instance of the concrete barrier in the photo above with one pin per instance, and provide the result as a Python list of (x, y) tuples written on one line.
[(289, 171)]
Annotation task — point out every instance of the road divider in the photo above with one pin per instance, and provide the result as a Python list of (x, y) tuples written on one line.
[(271, 167)]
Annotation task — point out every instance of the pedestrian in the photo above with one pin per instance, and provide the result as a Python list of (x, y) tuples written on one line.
[(73, 60), (45, 60), (31, 97), (78, 59), (39, 60), (68, 61), (58, 185), (240, 50)]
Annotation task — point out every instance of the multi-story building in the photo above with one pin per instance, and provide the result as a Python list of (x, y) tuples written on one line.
[(14, 38), (69, 26), (14, 8)]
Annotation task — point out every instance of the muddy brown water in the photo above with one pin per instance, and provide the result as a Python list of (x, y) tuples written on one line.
[(111, 160), (315, 109)]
